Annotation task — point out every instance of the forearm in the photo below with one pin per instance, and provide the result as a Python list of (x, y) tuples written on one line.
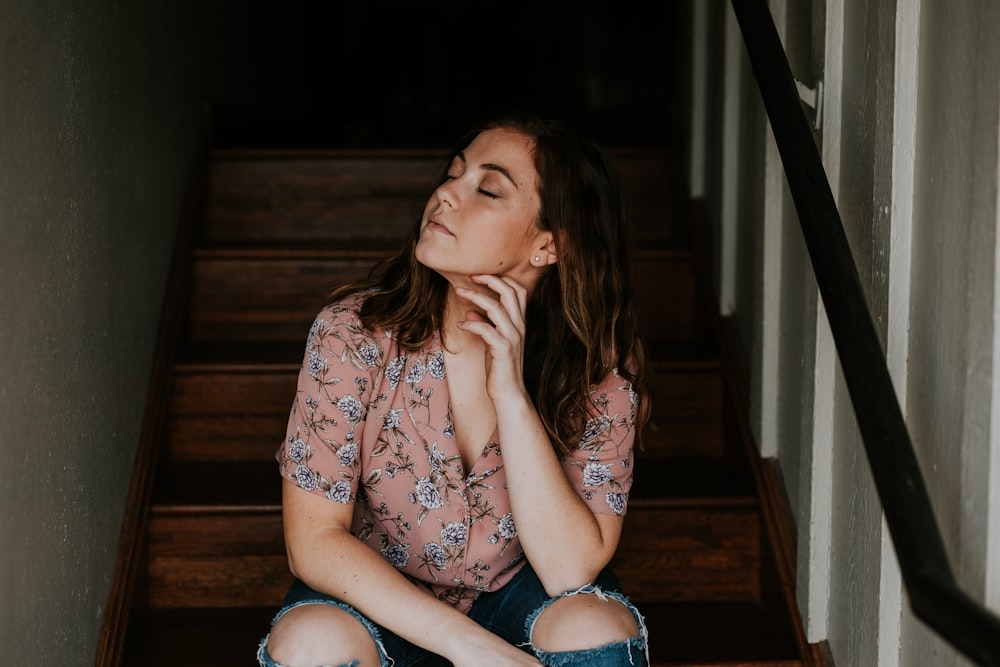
[(551, 518), (338, 564)]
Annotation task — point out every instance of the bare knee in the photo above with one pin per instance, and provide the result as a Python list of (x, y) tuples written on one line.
[(583, 621), (320, 634)]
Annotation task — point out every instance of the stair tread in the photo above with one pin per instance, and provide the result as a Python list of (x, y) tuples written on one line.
[(257, 483), (329, 194), (363, 249), (681, 634), (193, 356), (670, 248)]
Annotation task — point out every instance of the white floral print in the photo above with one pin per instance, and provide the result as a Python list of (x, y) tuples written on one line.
[(371, 426)]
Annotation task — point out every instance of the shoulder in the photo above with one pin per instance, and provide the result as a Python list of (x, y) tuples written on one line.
[(614, 397), (343, 315), (339, 325)]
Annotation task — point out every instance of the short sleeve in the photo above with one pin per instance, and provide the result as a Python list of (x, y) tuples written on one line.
[(321, 449), (600, 468)]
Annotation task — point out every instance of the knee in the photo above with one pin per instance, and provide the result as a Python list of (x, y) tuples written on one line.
[(583, 621), (320, 634)]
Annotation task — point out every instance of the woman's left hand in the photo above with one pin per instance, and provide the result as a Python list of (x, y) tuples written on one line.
[(502, 329)]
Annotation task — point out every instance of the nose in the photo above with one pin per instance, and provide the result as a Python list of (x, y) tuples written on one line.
[(446, 195)]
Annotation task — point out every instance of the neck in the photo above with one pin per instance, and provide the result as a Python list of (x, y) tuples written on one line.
[(456, 310)]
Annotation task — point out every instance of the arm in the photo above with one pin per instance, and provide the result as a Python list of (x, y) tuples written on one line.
[(547, 510), (326, 556), (321, 469)]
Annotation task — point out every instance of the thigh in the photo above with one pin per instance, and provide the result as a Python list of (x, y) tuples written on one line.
[(392, 649)]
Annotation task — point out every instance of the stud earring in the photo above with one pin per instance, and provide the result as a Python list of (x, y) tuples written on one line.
[(537, 259)]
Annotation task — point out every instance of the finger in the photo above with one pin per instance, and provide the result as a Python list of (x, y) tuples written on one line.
[(504, 286), (495, 341), (513, 296), (497, 313)]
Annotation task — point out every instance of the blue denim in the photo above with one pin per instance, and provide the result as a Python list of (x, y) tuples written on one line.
[(509, 613)]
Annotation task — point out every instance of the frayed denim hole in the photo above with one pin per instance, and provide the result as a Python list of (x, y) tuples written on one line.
[(641, 642), (633, 645), (384, 658), (262, 656), (529, 623)]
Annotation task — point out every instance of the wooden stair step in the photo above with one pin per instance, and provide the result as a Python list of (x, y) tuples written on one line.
[(265, 294), (650, 179), (682, 634), (230, 558), (273, 294), (215, 539), (226, 407), (689, 477), (212, 484), (199, 637), (713, 634), (193, 486), (229, 411), (688, 405), (664, 352), (322, 196), (691, 549), (318, 195)]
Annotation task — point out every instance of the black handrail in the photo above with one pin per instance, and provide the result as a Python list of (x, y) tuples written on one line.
[(930, 585)]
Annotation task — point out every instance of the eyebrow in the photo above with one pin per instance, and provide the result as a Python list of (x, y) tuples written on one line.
[(489, 166)]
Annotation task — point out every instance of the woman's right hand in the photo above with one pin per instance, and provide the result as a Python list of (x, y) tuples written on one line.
[(486, 649)]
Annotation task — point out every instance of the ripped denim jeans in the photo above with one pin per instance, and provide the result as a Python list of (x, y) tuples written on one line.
[(510, 612)]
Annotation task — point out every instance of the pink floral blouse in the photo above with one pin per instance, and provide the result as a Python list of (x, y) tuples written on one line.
[(371, 425)]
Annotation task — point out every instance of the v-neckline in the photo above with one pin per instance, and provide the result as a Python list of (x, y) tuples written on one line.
[(475, 452)]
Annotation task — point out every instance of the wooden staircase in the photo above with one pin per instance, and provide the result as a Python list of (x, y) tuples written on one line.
[(700, 555)]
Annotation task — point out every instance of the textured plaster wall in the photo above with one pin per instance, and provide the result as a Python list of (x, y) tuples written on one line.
[(99, 107)]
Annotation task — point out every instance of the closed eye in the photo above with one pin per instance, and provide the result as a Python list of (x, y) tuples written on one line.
[(491, 195)]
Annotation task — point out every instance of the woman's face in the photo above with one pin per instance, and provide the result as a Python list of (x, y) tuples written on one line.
[(482, 219)]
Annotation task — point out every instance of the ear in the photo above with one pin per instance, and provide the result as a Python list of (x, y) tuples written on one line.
[(545, 252)]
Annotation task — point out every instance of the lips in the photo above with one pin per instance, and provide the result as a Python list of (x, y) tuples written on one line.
[(433, 224)]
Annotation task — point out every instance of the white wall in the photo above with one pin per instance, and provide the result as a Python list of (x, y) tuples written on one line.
[(910, 135), (100, 106), (952, 380)]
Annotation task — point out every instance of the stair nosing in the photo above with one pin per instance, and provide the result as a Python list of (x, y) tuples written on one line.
[(200, 509)]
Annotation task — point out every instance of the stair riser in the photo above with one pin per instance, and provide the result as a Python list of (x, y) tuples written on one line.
[(665, 554), (318, 199), (684, 437), (216, 560), (690, 554), (235, 299), (222, 416), (241, 416), (220, 582), (326, 200), (255, 298), (225, 437), (687, 418)]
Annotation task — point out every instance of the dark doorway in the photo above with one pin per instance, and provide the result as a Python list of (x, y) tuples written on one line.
[(403, 74)]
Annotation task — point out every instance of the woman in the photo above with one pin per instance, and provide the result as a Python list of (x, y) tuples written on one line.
[(505, 324)]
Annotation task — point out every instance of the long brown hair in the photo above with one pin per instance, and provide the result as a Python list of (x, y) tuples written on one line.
[(581, 321)]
